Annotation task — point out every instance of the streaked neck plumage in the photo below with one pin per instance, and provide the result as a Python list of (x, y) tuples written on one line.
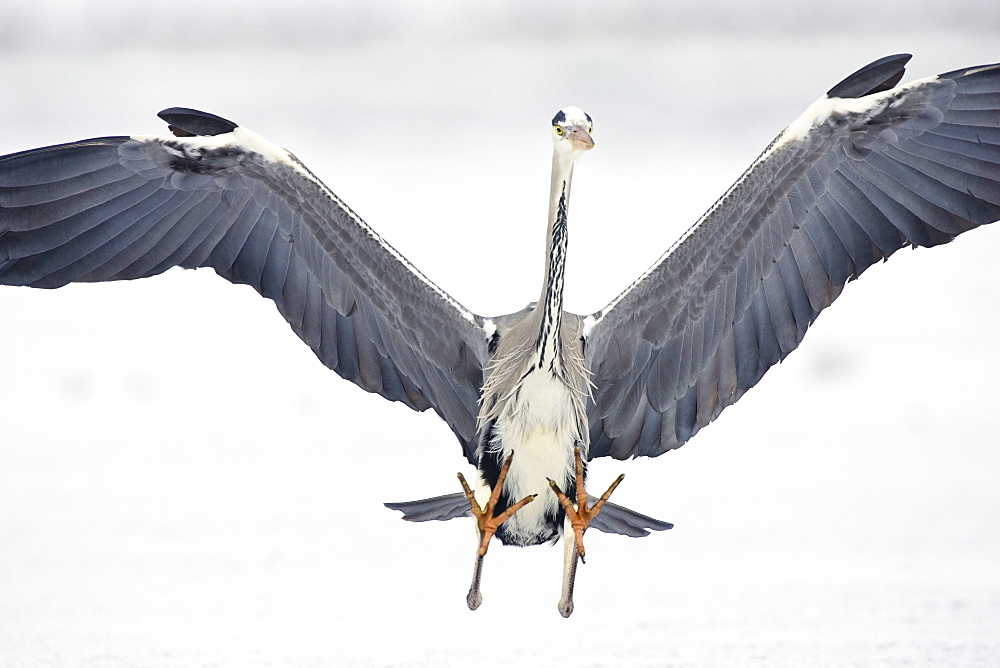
[(548, 348)]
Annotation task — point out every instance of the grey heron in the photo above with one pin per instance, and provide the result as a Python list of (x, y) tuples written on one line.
[(872, 166)]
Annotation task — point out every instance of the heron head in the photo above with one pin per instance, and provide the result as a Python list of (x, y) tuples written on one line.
[(571, 128)]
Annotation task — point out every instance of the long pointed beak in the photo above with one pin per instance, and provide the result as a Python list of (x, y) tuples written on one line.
[(580, 138)]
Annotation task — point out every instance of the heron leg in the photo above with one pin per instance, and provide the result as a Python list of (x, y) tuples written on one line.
[(581, 515), (487, 524), (570, 558), (577, 521)]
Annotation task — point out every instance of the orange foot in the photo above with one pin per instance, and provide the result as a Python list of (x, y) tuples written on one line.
[(581, 516), (484, 516), (488, 525)]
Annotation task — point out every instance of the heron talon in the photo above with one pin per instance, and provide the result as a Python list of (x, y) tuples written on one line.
[(485, 520), (582, 515)]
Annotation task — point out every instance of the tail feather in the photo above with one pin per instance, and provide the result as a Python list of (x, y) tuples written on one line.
[(612, 518)]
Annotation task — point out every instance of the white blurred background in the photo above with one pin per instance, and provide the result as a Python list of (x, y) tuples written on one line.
[(183, 484)]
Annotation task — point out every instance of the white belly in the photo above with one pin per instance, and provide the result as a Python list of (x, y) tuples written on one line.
[(540, 429)]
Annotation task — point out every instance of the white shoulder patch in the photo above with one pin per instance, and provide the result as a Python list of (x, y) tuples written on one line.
[(240, 137), (825, 107), (489, 327)]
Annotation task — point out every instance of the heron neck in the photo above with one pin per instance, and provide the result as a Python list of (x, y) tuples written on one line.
[(549, 342)]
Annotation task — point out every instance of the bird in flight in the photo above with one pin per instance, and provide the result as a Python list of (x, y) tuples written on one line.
[(531, 396)]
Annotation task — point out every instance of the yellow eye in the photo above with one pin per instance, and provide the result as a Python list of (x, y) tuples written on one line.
[(559, 130)]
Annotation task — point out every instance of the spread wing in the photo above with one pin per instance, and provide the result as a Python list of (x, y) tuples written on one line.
[(868, 169), (220, 196)]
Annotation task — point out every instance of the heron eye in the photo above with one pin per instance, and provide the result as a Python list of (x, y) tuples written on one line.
[(559, 130)]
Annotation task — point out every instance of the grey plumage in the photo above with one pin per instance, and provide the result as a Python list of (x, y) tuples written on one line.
[(736, 296), (120, 208), (811, 214)]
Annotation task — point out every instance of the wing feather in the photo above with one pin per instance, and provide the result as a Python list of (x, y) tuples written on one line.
[(119, 208), (848, 184)]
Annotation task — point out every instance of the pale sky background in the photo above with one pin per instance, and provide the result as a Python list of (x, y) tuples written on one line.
[(183, 484)]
